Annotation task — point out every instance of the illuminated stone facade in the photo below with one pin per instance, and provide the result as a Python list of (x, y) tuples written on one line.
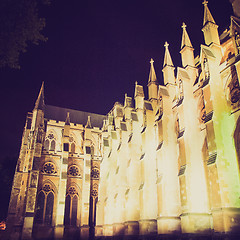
[(166, 165)]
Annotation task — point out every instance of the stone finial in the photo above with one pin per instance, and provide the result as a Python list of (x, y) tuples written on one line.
[(166, 44), (184, 25), (185, 38), (205, 3), (128, 101), (89, 125), (67, 121), (152, 74), (167, 58), (207, 14)]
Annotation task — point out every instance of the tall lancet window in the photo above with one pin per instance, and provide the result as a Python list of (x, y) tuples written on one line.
[(206, 69), (44, 206), (72, 143), (72, 149), (50, 142), (71, 207)]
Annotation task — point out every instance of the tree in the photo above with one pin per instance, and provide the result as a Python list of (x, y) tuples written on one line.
[(7, 169), (20, 25)]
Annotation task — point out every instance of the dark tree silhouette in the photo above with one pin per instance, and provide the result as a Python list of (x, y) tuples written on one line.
[(20, 25), (7, 169)]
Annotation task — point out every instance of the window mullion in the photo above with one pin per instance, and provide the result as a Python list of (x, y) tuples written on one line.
[(44, 208)]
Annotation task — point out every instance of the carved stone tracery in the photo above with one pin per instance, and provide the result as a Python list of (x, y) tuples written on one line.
[(95, 173), (234, 88), (46, 188), (72, 190), (206, 69), (94, 190), (201, 108), (74, 171), (49, 168)]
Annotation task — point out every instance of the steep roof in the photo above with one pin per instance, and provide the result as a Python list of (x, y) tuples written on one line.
[(39, 104), (207, 14), (185, 38), (79, 117)]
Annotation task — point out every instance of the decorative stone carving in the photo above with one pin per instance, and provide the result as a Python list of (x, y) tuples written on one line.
[(206, 69), (34, 178), (94, 193), (50, 136), (40, 134), (201, 108), (31, 199), (72, 190), (94, 190), (46, 188), (234, 88), (237, 40)]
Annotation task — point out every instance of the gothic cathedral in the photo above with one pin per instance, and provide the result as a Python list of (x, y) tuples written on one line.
[(162, 166)]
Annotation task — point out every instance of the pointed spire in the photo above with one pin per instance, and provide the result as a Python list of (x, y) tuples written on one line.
[(39, 104), (167, 57), (152, 74), (67, 121), (207, 14), (138, 90), (128, 101), (89, 125), (210, 28), (185, 38)]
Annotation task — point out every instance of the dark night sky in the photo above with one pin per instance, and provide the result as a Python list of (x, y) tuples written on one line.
[(95, 52)]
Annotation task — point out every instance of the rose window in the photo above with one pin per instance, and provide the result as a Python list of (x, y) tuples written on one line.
[(46, 188), (95, 173), (94, 192), (72, 191), (74, 171), (49, 168), (50, 136)]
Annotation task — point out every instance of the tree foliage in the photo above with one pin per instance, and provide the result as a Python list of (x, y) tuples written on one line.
[(7, 168), (20, 25)]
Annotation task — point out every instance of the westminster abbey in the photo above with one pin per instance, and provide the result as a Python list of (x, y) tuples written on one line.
[(166, 165)]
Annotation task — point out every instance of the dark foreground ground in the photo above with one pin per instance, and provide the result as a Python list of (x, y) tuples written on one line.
[(177, 237), (214, 236)]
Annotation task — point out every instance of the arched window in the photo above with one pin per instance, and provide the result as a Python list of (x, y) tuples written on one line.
[(72, 143), (40, 207), (50, 142), (44, 206), (72, 148), (67, 210), (49, 209), (71, 207), (46, 144), (74, 210), (52, 148)]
